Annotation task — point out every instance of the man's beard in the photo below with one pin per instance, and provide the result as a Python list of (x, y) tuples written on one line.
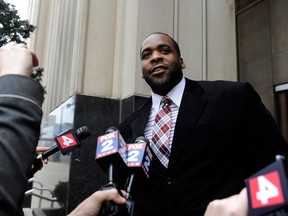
[(163, 86)]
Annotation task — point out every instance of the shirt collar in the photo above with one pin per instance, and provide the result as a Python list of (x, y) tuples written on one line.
[(175, 95)]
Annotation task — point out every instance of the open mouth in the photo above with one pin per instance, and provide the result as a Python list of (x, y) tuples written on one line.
[(158, 70)]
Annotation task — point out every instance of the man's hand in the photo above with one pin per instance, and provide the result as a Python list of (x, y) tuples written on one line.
[(40, 150), (17, 59), (236, 205), (92, 205)]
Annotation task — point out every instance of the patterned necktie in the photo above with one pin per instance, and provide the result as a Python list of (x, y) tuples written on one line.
[(161, 132)]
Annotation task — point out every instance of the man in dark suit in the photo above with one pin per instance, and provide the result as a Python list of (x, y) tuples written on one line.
[(21, 99), (220, 134)]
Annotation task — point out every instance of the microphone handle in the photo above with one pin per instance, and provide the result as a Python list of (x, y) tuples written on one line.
[(37, 165), (129, 185), (49, 152), (37, 162), (129, 202)]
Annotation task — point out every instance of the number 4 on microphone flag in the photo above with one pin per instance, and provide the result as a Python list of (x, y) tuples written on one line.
[(67, 141), (267, 190)]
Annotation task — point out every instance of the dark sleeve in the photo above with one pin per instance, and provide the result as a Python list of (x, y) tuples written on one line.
[(20, 117), (263, 138)]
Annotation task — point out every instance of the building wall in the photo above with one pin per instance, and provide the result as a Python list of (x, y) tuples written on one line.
[(92, 47), (263, 47), (279, 40), (254, 44)]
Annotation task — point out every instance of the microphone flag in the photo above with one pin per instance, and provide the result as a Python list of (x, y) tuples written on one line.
[(267, 189), (66, 141)]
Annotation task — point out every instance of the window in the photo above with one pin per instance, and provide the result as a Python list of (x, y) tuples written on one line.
[(281, 96)]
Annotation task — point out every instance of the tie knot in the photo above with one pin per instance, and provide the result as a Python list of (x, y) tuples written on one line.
[(166, 101)]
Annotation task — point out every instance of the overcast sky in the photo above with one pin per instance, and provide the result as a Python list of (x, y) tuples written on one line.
[(21, 6)]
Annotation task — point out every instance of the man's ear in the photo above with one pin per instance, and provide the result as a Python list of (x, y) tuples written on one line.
[(183, 65)]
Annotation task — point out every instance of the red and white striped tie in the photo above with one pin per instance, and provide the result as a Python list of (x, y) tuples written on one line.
[(161, 132)]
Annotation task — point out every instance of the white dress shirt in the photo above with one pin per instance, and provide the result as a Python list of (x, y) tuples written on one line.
[(176, 96)]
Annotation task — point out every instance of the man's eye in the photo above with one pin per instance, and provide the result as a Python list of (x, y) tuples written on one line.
[(145, 55), (165, 51)]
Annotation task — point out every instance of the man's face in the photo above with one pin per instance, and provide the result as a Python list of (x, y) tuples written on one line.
[(161, 64)]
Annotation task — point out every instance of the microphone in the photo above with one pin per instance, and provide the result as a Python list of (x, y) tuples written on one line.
[(110, 151), (139, 157), (267, 190), (66, 141)]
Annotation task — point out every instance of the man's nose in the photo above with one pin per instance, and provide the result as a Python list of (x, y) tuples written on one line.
[(156, 57)]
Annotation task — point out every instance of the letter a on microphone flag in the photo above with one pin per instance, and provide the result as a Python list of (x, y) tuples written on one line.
[(267, 190)]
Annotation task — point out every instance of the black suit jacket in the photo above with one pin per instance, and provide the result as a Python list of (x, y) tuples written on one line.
[(223, 134), (21, 99)]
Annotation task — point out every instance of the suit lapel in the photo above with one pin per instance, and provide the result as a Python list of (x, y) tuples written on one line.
[(138, 126), (192, 105)]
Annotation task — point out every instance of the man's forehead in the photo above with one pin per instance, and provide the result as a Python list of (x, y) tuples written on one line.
[(155, 40)]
